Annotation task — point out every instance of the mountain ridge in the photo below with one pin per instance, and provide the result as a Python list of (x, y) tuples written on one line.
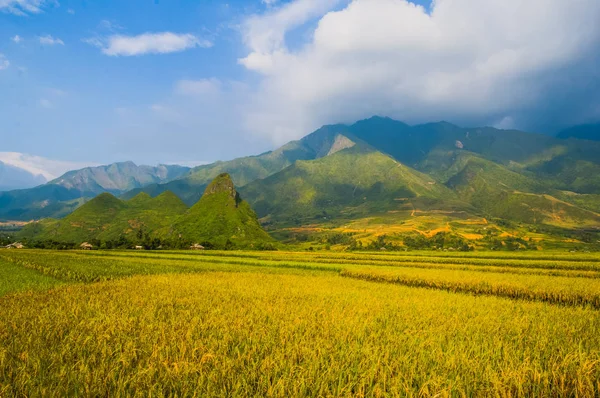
[(383, 169), (220, 219), (62, 195)]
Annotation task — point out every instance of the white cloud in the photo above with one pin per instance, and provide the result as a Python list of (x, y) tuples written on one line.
[(24, 7), (17, 39), (147, 43), (4, 63), (461, 60), (48, 40), (71, 11), (198, 87), (36, 165), (265, 35)]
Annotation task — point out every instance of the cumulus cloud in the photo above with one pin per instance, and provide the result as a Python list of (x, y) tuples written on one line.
[(493, 62), (48, 40), (265, 34), (37, 165), (147, 43), (4, 63), (24, 7), (17, 39)]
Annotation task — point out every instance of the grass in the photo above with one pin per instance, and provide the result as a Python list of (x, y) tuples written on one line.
[(299, 324)]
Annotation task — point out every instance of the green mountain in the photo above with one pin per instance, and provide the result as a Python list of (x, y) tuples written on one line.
[(572, 165), (354, 182), (386, 170), (412, 145), (64, 194), (107, 218), (220, 218), (190, 188), (415, 146), (498, 192)]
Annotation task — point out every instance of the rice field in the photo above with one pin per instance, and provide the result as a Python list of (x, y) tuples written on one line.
[(283, 324)]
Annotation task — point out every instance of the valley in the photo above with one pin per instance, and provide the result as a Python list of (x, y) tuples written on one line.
[(300, 198), (377, 177)]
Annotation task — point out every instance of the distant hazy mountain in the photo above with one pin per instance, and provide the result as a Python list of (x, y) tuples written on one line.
[(12, 177), (584, 132), (118, 177), (62, 195)]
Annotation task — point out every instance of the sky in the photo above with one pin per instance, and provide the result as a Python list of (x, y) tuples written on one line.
[(190, 82)]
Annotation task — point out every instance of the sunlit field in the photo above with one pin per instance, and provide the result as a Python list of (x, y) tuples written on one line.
[(213, 323)]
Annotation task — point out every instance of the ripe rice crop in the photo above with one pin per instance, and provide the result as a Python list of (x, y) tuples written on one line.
[(256, 334), (550, 289), (212, 323)]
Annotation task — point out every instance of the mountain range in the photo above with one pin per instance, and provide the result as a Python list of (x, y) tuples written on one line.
[(61, 196), (384, 174), (219, 219), (377, 164)]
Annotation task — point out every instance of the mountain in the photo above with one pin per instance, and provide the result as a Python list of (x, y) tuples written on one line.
[(220, 218), (61, 196), (412, 145), (12, 177), (583, 132), (429, 177), (190, 188), (352, 172), (354, 182), (107, 218), (498, 192), (415, 146), (118, 177)]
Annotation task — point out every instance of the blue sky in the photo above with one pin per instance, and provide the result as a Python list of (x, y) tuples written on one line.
[(62, 100), (195, 81)]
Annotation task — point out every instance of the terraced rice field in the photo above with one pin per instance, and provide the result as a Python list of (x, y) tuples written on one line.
[(299, 324)]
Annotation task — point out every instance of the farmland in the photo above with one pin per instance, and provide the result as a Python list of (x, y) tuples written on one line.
[(235, 323)]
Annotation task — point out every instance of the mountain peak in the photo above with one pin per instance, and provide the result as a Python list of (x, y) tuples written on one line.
[(222, 183), (340, 143), (380, 121)]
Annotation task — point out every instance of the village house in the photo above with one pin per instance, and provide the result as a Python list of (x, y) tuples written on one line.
[(86, 246), (16, 245), (196, 246)]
